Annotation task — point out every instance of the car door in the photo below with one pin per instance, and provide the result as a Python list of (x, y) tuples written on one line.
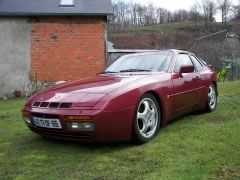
[(186, 86), (199, 72)]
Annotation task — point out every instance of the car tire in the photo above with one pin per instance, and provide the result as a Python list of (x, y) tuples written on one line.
[(146, 122), (212, 99)]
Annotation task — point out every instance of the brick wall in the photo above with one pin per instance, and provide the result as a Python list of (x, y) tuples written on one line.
[(67, 48)]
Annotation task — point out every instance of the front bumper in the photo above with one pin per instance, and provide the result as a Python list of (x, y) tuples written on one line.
[(109, 126)]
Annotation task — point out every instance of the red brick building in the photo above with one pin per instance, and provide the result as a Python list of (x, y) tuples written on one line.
[(66, 39), (67, 48)]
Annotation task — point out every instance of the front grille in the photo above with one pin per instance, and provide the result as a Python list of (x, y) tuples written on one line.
[(44, 104), (52, 105), (36, 104)]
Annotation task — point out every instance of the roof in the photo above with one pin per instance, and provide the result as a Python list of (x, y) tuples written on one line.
[(131, 50), (147, 51), (53, 7)]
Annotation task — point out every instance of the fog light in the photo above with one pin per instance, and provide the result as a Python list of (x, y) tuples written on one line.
[(88, 126), (75, 125), (81, 126)]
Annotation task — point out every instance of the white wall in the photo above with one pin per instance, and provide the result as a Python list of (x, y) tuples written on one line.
[(14, 54)]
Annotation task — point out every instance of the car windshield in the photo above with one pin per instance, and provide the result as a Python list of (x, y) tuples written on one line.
[(140, 63)]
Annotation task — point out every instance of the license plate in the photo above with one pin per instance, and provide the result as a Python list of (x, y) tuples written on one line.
[(47, 123)]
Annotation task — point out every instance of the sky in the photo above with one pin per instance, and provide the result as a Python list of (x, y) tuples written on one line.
[(173, 5)]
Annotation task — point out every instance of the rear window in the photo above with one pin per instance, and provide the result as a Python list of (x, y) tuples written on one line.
[(203, 62), (197, 64), (182, 60)]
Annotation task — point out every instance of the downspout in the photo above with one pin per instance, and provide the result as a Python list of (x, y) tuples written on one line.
[(105, 39)]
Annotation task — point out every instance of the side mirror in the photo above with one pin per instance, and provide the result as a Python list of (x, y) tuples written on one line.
[(186, 69)]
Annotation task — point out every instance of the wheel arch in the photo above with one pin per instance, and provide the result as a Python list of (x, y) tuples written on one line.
[(215, 84), (161, 104)]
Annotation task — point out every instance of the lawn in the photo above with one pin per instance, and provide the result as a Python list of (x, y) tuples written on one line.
[(198, 146)]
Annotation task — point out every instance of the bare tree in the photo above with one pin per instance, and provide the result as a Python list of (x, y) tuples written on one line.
[(195, 12), (236, 10), (180, 15), (133, 15), (209, 10), (113, 18), (212, 11), (160, 15), (169, 16), (149, 14), (224, 6), (140, 14)]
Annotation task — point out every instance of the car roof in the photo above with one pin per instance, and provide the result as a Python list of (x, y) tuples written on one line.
[(180, 51), (175, 51)]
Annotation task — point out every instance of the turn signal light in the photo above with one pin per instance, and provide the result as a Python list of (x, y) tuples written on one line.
[(26, 117), (25, 114), (78, 118)]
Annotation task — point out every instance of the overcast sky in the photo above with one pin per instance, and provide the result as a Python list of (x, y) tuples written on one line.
[(173, 5)]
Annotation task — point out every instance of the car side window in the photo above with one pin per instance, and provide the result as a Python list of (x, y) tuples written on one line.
[(197, 64), (182, 60)]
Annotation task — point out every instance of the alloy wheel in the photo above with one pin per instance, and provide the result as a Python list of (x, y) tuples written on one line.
[(212, 97), (147, 118)]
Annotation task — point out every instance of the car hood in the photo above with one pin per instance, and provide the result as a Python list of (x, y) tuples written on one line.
[(87, 92), (101, 84)]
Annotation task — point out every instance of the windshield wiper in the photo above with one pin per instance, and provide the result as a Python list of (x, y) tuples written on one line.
[(107, 72), (135, 70)]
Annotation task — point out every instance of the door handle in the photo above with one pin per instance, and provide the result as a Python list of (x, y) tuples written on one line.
[(198, 78)]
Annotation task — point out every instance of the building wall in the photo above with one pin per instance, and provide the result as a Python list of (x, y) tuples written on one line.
[(14, 54), (67, 48)]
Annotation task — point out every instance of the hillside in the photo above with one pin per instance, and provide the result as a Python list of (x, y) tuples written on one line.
[(162, 36)]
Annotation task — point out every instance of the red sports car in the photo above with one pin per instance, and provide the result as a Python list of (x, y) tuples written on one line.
[(129, 100)]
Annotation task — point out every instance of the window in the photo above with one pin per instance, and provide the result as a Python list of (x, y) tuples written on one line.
[(203, 62), (182, 60), (150, 62), (197, 64), (66, 3)]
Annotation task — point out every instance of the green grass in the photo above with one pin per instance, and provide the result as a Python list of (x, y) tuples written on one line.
[(167, 27), (186, 26), (198, 146)]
